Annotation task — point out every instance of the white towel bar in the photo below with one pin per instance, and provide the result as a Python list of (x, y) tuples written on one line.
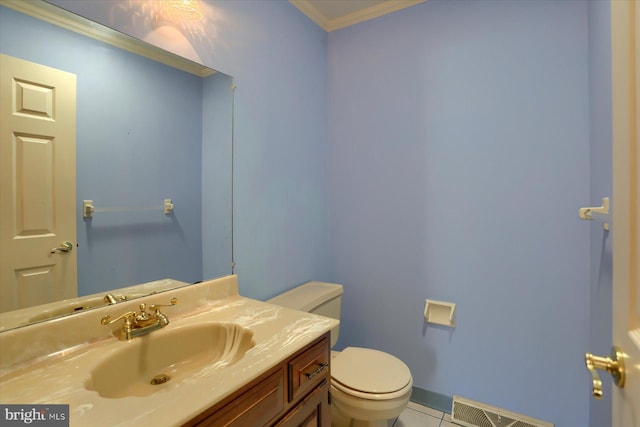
[(88, 208)]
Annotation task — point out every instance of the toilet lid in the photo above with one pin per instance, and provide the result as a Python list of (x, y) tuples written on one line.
[(369, 370)]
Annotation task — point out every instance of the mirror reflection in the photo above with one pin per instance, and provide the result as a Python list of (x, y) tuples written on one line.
[(145, 132)]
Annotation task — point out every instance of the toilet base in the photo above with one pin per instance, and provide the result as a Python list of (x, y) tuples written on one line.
[(338, 419), (347, 409)]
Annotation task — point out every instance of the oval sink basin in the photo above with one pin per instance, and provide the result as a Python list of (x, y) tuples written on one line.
[(150, 363)]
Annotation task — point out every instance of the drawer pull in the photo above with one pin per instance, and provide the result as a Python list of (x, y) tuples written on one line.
[(319, 369)]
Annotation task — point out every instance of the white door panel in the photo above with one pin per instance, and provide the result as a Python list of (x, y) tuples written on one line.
[(626, 209), (37, 190)]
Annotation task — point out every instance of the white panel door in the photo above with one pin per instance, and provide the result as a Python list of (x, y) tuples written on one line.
[(37, 184), (626, 208)]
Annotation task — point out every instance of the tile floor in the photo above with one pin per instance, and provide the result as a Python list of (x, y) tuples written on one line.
[(416, 415)]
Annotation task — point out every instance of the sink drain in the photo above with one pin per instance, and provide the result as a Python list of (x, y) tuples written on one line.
[(160, 379)]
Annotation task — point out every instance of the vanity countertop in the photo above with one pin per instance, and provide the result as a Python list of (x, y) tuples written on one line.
[(26, 316), (60, 372)]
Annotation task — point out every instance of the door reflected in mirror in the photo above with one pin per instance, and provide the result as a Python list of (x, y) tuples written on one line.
[(145, 132)]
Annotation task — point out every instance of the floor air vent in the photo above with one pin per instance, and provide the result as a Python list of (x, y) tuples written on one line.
[(475, 414)]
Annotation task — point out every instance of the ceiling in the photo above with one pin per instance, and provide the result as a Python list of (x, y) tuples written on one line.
[(335, 14)]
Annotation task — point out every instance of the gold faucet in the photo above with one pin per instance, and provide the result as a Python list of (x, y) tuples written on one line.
[(112, 299), (137, 324)]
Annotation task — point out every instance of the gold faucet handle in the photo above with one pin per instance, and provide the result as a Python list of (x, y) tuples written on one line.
[(112, 299), (128, 316), (156, 307)]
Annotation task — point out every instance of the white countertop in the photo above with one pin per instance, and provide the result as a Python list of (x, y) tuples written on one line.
[(57, 373)]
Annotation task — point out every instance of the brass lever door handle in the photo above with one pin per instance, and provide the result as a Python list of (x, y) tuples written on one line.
[(64, 247), (613, 364)]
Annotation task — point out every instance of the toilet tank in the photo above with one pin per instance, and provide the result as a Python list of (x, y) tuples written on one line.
[(320, 298)]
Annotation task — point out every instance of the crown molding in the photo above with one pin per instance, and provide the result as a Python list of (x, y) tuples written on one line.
[(369, 13), (70, 21), (312, 13)]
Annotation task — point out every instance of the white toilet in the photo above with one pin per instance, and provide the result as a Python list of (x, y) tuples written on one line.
[(368, 387)]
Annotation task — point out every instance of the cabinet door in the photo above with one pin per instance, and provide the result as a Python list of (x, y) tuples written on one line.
[(256, 407), (312, 411)]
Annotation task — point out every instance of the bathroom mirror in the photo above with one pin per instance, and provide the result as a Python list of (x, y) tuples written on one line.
[(145, 132)]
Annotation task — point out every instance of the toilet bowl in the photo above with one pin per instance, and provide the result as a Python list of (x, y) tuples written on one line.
[(368, 387)]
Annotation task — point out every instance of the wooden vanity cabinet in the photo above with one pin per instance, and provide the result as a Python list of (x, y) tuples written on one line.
[(293, 394)]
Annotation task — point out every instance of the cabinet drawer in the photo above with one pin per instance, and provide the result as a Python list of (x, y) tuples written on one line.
[(308, 369), (312, 411), (255, 407)]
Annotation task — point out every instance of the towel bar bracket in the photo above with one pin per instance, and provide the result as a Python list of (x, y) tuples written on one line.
[(597, 212)]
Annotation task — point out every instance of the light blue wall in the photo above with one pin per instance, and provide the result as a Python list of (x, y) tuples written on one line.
[(600, 177), (278, 59), (148, 157), (279, 63), (217, 121), (458, 159), (458, 154)]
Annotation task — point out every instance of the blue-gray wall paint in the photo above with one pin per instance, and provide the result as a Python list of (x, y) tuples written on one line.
[(459, 137), (278, 60), (217, 119), (458, 159), (600, 320), (148, 157)]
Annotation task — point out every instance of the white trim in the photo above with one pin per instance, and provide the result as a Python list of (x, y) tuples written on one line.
[(306, 7), (625, 19), (312, 13), (62, 18)]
